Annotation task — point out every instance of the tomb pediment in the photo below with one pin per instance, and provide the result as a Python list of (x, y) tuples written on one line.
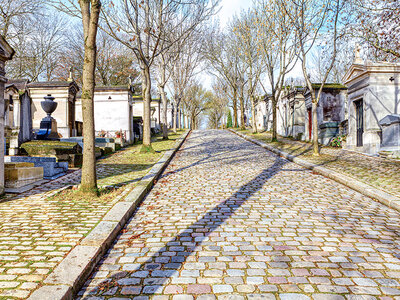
[(354, 72)]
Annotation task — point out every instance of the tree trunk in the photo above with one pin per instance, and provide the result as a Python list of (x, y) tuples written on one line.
[(164, 119), (175, 115), (274, 121), (235, 113), (183, 119), (90, 17), (315, 129), (253, 115), (242, 122), (146, 85), (193, 121)]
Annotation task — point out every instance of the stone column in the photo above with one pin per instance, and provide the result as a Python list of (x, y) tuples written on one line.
[(3, 80)]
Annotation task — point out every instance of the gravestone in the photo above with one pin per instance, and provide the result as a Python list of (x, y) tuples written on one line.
[(22, 114), (328, 131), (390, 132)]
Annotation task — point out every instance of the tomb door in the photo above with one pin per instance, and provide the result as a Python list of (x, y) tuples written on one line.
[(359, 122)]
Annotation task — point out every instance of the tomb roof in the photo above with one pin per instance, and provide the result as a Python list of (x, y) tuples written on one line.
[(51, 84)]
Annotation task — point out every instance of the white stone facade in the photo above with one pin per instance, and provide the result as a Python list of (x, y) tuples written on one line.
[(374, 93), (291, 113), (264, 115), (64, 93), (113, 111)]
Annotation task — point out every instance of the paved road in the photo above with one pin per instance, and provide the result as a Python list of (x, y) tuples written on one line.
[(229, 220)]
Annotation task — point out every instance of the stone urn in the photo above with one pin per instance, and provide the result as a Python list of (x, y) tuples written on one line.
[(48, 105)]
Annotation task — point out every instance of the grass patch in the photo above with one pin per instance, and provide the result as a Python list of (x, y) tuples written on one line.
[(122, 168)]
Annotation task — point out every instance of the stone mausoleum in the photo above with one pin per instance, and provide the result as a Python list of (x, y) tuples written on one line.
[(331, 111), (373, 106), (6, 53), (291, 112), (64, 93)]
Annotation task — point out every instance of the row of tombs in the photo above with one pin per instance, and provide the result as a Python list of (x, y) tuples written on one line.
[(364, 112), (43, 128)]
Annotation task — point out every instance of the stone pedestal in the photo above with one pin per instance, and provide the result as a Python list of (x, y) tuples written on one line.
[(48, 129), (14, 142)]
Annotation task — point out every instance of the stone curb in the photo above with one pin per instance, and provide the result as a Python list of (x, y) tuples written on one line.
[(69, 276), (365, 189)]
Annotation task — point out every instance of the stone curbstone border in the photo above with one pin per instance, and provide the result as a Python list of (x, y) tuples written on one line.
[(363, 188), (69, 276)]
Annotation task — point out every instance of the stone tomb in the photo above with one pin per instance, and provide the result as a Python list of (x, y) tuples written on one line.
[(374, 93), (331, 111), (65, 94), (51, 168), (391, 132), (22, 176), (390, 146)]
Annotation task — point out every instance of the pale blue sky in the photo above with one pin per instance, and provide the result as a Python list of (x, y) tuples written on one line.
[(231, 7)]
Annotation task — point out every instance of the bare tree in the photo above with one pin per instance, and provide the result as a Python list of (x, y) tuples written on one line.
[(376, 24), (246, 32), (277, 43), (217, 104), (141, 26), (90, 10), (195, 101), (183, 70), (310, 19), (13, 12), (38, 45), (223, 58)]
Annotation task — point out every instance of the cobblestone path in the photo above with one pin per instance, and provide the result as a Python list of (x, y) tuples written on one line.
[(37, 231), (229, 220)]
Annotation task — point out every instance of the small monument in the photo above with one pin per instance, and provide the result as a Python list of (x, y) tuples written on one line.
[(48, 125), (390, 135)]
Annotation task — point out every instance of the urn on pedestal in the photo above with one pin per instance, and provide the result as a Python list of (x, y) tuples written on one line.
[(48, 125)]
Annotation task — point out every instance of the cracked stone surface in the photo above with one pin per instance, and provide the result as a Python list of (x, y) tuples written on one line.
[(230, 220)]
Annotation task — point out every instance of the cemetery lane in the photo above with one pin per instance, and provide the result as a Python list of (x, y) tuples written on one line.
[(230, 219)]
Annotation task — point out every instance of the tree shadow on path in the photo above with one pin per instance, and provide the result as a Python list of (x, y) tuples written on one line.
[(151, 275)]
